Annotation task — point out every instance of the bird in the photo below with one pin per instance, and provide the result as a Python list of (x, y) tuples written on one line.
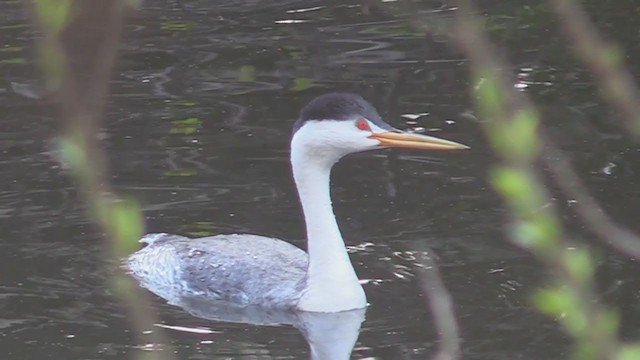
[(254, 270)]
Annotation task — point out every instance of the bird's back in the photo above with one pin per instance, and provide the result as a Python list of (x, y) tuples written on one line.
[(241, 269)]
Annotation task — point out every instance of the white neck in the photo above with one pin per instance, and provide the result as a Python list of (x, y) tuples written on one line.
[(331, 284)]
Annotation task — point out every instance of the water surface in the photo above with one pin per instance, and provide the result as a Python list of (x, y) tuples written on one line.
[(204, 96)]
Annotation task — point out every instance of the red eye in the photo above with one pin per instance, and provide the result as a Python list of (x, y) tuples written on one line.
[(363, 124)]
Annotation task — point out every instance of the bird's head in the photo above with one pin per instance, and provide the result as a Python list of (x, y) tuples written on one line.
[(336, 124)]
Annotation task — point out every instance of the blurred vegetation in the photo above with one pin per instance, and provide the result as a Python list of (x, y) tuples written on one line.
[(77, 49), (512, 125)]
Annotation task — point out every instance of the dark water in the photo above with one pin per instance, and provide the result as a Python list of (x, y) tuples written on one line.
[(204, 96)]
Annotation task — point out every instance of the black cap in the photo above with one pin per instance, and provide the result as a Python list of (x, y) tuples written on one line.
[(339, 107)]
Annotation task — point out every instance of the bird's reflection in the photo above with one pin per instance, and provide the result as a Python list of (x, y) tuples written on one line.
[(331, 336)]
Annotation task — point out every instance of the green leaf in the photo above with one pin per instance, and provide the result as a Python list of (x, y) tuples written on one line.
[(539, 234), (8, 49), (554, 302), (177, 25), (14, 61), (528, 235), (186, 126), (183, 130), (128, 225), (72, 153), (184, 102), (192, 121), (579, 264), (182, 173), (301, 84), (563, 304), (247, 73), (523, 132), (549, 225), (517, 187), (609, 322), (612, 55), (490, 97), (516, 138), (629, 352), (54, 15)]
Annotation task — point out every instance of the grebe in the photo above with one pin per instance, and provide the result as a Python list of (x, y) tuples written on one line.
[(249, 270)]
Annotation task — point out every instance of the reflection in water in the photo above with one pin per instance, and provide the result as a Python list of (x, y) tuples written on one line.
[(331, 336)]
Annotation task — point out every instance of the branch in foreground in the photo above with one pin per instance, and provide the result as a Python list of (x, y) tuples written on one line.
[(587, 207), (77, 50), (603, 59), (441, 305)]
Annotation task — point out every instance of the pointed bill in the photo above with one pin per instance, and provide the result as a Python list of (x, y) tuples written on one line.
[(415, 141)]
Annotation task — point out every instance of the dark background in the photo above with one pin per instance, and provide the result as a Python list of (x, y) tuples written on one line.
[(203, 98)]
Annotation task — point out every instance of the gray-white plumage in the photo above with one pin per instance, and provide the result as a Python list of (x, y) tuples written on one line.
[(242, 269)]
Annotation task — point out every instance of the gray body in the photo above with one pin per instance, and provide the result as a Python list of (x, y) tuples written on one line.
[(240, 269)]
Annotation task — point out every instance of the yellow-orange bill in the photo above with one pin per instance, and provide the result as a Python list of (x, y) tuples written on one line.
[(415, 141)]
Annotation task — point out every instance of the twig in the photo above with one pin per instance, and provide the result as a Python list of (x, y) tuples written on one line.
[(441, 305), (603, 59), (586, 206)]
